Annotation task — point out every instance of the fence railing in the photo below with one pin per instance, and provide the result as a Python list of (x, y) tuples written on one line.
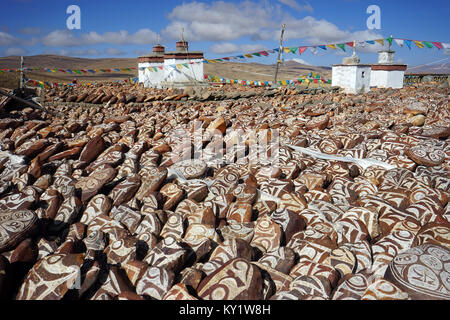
[(419, 78)]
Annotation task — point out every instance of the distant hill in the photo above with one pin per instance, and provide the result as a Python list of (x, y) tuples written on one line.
[(231, 70), (437, 68), (264, 72), (62, 62)]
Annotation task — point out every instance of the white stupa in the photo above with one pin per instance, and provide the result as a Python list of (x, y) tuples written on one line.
[(352, 76), (387, 74), (180, 68)]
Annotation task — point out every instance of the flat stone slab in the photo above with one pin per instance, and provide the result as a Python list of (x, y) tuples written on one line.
[(14, 227), (423, 272)]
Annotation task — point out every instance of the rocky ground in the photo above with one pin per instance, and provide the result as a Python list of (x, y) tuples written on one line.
[(98, 203)]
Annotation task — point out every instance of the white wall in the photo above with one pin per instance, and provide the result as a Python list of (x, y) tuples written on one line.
[(387, 79), (386, 57), (351, 78), (173, 74), (150, 78)]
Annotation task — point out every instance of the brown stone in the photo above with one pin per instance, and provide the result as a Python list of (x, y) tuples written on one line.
[(115, 283), (312, 286), (290, 222), (172, 194), (113, 159), (68, 154), (67, 213), (235, 280), (127, 216), (128, 295), (433, 233), (426, 155), (436, 132), (311, 268), (281, 259), (31, 148), (98, 205), (49, 151), (191, 169), (121, 251), (151, 181), (26, 252), (240, 212), (168, 254), (351, 287), (218, 124), (421, 272), (17, 201), (14, 227), (94, 182), (92, 149), (134, 270), (179, 292), (381, 289), (155, 283), (320, 123), (5, 278), (267, 235), (343, 261), (125, 190), (51, 277)]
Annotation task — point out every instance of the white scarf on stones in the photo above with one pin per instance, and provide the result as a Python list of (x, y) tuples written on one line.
[(364, 163)]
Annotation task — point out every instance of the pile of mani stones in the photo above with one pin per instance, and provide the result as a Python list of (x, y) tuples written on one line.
[(96, 204)]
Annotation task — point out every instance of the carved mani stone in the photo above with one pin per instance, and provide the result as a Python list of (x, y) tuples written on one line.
[(14, 227), (237, 279), (155, 282), (94, 182), (422, 272), (51, 277)]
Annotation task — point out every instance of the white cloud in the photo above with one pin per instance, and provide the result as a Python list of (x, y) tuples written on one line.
[(252, 48), (85, 52), (142, 36), (142, 52), (74, 53), (227, 48), (296, 6), (66, 38), (15, 52), (301, 61), (321, 32), (30, 30), (61, 38), (6, 39), (114, 52), (222, 21), (224, 48), (62, 52)]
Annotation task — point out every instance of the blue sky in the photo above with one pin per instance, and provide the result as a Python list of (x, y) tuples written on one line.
[(118, 28)]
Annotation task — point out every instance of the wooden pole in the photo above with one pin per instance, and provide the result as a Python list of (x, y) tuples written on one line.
[(279, 55), (21, 73), (29, 103)]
